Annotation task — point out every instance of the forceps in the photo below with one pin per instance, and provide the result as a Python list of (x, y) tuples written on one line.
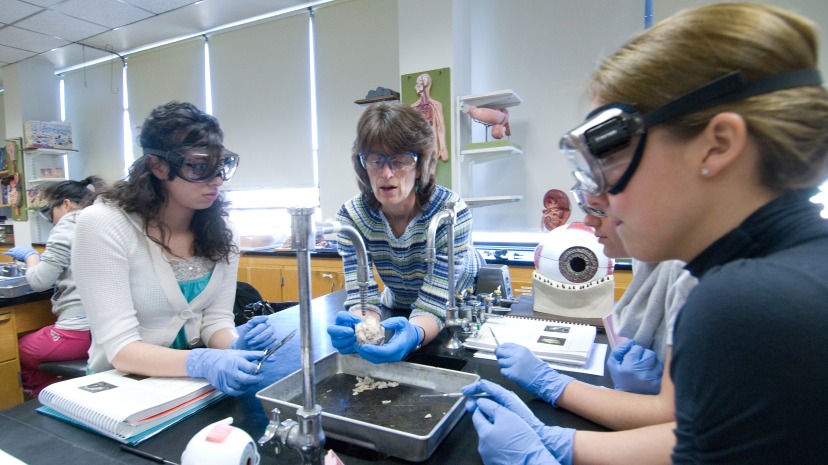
[(273, 349)]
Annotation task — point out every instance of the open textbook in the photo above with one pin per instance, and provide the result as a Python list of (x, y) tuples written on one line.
[(550, 340), (123, 406)]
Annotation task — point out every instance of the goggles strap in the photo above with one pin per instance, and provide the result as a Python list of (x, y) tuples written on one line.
[(628, 173), (730, 88)]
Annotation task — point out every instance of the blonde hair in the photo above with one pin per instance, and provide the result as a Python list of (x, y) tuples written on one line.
[(698, 45)]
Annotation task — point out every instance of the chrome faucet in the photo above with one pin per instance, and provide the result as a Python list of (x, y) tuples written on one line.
[(454, 322), (306, 435)]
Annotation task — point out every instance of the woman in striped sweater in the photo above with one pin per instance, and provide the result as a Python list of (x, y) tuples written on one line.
[(394, 160)]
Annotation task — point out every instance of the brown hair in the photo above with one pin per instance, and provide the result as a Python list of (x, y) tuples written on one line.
[(395, 128), (698, 45)]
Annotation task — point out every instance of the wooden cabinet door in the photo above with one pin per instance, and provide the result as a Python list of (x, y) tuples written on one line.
[(11, 393), (8, 337), (268, 281)]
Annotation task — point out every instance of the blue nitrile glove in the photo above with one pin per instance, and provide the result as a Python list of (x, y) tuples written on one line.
[(229, 371), (21, 252), (260, 333), (559, 441), (505, 438), (343, 335), (405, 339), (534, 375), (635, 369)]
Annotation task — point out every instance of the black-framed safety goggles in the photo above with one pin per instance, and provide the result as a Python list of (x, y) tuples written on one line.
[(45, 211), (580, 197), (194, 164), (593, 147)]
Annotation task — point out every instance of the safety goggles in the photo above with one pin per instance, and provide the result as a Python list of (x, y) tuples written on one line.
[(194, 164), (375, 162), (596, 148), (45, 211), (580, 197)]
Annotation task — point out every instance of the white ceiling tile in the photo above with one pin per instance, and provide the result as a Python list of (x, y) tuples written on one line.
[(160, 6), (11, 55), (109, 13), (60, 25), (44, 3), (13, 10), (28, 40)]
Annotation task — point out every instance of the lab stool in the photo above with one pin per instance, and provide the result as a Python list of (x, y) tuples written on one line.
[(65, 369)]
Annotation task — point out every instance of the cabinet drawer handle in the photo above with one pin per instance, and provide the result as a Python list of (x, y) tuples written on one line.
[(5, 317), (327, 275)]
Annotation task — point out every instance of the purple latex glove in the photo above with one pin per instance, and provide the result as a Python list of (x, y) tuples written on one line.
[(557, 440), (406, 338), (505, 438), (260, 333), (534, 375), (635, 369), (343, 332), (229, 371)]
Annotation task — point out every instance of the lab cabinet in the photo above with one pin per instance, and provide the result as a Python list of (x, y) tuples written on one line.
[(474, 152), (276, 277)]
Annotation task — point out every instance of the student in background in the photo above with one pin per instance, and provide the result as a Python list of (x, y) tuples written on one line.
[(395, 164), (156, 261), (68, 338), (714, 167)]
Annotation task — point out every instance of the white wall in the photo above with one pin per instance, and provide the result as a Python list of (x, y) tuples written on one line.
[(542, 49)]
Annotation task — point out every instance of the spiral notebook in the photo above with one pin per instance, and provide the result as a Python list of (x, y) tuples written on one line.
[(125, 407), (553, 341)]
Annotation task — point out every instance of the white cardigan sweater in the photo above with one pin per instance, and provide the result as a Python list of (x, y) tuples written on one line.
[(129, 290)]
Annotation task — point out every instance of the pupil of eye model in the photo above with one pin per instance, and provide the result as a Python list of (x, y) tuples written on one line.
[(578, 264)]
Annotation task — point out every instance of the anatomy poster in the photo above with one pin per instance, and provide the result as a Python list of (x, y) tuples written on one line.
[(429, 92)]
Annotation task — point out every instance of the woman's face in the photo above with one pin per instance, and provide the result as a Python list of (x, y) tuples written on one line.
[(607, 236), (60, 210), (394, 188), (186, 194), (657, 211)]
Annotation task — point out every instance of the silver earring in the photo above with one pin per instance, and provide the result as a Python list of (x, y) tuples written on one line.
[(705, 172)]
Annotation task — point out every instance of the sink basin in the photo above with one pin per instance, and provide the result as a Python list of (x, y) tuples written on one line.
[(14, 287), (439, 361)]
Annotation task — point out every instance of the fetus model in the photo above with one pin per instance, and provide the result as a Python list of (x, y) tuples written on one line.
[(555, 209), (497, 119)]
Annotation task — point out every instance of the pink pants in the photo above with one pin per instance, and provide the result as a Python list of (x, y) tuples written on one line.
[(49, 344)]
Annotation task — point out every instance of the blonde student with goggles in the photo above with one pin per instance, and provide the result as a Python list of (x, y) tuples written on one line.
[(708, 138)]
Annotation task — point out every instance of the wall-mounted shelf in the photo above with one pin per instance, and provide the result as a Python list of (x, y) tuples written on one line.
[(474, 202), (44, 166), (481, 154), (498, 99), (473, 153)]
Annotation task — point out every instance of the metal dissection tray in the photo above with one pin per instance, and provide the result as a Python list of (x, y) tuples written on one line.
[(394, 421), (14, 287)]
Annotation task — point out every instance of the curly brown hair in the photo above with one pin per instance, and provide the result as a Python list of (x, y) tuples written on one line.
[(169, 126)]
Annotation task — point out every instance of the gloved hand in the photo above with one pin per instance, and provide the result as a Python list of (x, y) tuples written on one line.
[(260, 333), (558, 441), (229, 371), (635, 369), (21, 252), (343, 335), (534, 375), (505, 438), (405, 339)]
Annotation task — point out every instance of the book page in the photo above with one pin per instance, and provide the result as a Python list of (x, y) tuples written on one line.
[(565, 342)]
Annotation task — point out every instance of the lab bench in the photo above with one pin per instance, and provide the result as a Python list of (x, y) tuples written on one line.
[(37, 439)]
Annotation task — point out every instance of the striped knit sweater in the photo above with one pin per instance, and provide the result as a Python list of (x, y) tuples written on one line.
[(400, 262)]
